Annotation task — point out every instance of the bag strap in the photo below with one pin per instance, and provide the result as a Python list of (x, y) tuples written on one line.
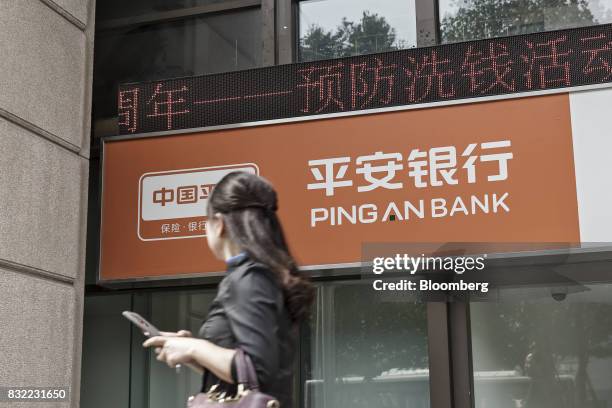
[(245, 371)]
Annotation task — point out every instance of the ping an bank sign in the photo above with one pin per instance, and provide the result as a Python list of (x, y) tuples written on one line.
[(496, 171), (435, 167)]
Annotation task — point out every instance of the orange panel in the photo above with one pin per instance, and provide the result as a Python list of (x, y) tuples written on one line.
[(536, 201)]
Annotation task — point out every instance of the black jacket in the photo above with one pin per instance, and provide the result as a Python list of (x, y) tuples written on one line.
[(249, 311)]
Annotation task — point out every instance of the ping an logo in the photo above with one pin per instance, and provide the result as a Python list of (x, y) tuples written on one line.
[(172, 204)]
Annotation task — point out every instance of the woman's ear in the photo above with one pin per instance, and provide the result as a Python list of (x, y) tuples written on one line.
[(220, 224)]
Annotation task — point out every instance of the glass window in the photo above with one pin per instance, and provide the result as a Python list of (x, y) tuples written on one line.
[(544, 351), (338, 28), (464, 20), (106, 352), (175, 311), (114, 359), (110, 9), (365, 350), (191, 47), (361, 349)]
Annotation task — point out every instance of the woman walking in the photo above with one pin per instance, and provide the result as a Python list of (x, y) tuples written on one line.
[(260, 302)]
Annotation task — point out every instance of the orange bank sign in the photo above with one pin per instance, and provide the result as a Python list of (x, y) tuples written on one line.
[(424, 168), (498, 171)]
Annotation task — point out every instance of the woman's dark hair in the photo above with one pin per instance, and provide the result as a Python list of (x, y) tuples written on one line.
[(248, 203)]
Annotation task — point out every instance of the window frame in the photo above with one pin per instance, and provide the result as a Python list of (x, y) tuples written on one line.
[(427, 23)]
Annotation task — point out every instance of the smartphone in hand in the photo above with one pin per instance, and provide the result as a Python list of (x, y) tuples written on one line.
[(147, 328), (142, 323)]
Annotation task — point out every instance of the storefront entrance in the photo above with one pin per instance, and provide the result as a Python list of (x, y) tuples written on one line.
[(541, 338)]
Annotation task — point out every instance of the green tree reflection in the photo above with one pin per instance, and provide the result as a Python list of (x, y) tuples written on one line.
[(370, 35), (475, 19)]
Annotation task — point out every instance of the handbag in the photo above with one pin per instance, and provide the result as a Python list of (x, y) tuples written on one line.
[(247, 395)]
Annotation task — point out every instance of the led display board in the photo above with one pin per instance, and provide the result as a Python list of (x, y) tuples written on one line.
[(523, 63)]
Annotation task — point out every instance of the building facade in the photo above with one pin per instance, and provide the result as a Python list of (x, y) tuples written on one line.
[(534, 343), (421, 77)]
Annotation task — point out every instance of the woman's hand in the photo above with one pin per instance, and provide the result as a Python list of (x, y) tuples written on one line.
[(195, 353), (173, 350)]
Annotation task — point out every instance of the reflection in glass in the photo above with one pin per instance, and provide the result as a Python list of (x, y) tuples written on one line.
[(463, 20), (366, 351), (339, 28), (544, 353), (191, 47), (106, 352)]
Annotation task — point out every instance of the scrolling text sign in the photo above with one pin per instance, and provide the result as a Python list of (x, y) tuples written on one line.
[(498, 66)]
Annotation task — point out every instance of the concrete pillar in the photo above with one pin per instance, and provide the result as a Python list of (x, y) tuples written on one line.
[(45, 100)]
